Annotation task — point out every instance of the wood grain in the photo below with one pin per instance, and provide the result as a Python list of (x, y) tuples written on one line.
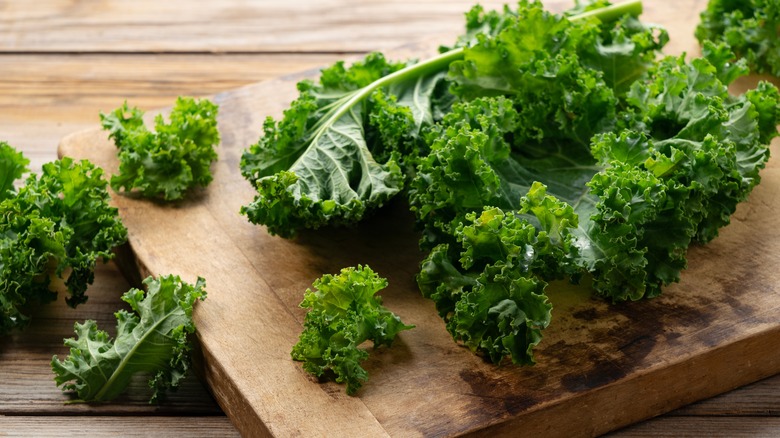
[(45, 97), (331, 26), (714, 331), (110, 427), (34, 86), (711, 427)]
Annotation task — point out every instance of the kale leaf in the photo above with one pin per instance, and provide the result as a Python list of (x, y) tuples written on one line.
[(344, 312), (58, 225), (339, 150), (349, 142), (557, 146), (13, 165), (171, 160), (150, 340), (750, 27), (681, 155)]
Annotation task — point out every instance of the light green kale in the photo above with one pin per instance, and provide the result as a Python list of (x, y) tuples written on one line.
[(172, 159), (152, 340), (750, 27), (58, 225), (344, 312), (339, 150)]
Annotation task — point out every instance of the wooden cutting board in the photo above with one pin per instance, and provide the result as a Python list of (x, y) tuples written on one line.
[(600, 366)]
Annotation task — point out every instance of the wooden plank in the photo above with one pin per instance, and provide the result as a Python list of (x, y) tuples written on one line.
[(44, 97), (714, 331), (74, 88), (110, 427), (680, 427), (760, 399), (226, 26)]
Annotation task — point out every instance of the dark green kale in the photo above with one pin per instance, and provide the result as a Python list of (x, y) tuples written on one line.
[(151, 340), (56, 226), (750, 27)]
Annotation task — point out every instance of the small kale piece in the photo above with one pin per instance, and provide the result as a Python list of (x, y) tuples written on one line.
[(152, 340), (344, 313), (171, 160), (58, 225)]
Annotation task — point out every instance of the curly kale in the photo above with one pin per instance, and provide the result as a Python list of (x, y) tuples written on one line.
[(170, 160), (680, 157), (13, 165), (349, 142), (344, 312), (545, 147), (57, 225), (750, 27)]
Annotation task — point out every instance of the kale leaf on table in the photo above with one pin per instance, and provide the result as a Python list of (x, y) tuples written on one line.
[(55, 226), (344, 312), (151, 340)]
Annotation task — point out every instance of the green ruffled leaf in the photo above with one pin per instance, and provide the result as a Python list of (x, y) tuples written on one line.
[(12, 166), (344, 312), (58, 225), (174, 158), (685, 155), (340, 149), (492, 297), (151, 340), (750, 27)]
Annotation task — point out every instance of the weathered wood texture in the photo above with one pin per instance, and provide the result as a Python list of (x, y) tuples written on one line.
[(45, 97), (111, 427), (226, 26), (600, 366)]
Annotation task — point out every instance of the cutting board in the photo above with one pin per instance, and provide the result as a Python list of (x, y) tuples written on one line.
[(600, 366)]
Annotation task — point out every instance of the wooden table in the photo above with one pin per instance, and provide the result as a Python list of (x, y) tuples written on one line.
[(62, 62)]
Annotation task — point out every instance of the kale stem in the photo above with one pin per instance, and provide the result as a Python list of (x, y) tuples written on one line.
[(612, 12)]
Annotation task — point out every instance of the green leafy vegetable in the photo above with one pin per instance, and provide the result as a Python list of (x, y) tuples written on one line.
[(671, 171), (563, 146), (337, 151), (344, 146), (56, 226), (12, 166), (151, 340), (492, 296), (171, 160), (750, 27), (344, 313)]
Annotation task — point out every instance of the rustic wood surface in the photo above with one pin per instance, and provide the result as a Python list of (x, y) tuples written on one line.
[(62, 62)]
